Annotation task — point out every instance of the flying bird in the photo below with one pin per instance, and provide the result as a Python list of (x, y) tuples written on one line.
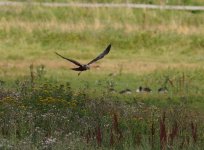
[(84, 67)]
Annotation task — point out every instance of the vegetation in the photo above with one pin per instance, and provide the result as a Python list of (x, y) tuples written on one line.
[(150, 39), (44, 115), (172, 2), (44, 105)]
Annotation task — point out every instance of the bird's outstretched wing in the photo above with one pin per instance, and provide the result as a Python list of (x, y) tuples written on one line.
[(71, 60), (105, 52)]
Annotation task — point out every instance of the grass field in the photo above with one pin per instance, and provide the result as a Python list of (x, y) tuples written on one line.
[(44, 105), (172, 2)]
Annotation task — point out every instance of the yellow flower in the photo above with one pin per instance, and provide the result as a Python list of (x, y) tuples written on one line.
[(53, 101), (73, 104), (8, 100)]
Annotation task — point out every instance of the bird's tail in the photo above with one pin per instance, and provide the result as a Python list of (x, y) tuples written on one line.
[(76, 69)]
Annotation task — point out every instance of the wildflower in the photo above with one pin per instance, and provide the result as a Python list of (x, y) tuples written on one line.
[(9, 101), (51, 100), (73, 104), (50, 140)]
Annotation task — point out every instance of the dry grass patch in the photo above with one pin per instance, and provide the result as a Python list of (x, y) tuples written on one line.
[(97, 25), (107, 66)]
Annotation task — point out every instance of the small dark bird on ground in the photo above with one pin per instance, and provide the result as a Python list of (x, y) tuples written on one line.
[(163, 90), (145, 89), (125, 91), (84, 67)]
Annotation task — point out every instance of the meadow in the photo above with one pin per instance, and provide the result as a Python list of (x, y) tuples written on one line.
[(44, 105), (172, 2)]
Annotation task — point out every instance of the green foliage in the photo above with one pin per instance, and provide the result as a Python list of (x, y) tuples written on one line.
[(42, 113), (171, 2), (35, 32)]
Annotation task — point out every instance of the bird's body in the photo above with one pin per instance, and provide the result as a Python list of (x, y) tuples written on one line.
[(84, 67), (163, 90), (81, 68), (147, 89), (143, 90), (126, 91)]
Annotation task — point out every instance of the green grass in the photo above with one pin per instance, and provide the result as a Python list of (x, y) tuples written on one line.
[(33, 33), (49, 106), (38, 113), (172, 2), (143, 42)]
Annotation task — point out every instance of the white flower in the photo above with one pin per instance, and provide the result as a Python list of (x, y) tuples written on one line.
[(50, 140)]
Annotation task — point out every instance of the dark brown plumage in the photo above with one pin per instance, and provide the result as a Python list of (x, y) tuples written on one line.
[(143, 89), (84, 67)]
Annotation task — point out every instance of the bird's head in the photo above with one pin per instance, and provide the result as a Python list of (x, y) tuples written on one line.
[(87, 67)]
